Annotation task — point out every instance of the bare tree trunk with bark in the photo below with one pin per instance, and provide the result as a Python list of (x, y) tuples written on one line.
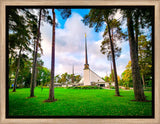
[(17, 71), (35, 59), (51, 91), (114, 63), (138, 88), (143, 80)]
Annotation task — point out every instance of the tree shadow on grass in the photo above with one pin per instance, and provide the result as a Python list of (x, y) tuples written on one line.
[(118, 96), (48, 100), (30, 97), (142, 101)]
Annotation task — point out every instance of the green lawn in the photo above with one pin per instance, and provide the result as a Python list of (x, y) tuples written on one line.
[(78, 102)]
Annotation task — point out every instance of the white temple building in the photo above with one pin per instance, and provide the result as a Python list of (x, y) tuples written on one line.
[(90, 77)]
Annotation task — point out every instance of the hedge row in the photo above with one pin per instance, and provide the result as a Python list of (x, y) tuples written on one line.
[(85, 87)]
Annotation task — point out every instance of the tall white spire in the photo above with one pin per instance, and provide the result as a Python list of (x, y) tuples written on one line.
[(86, 65)]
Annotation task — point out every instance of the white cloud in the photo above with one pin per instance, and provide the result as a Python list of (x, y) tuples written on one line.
[(118, 15), (69, 48)]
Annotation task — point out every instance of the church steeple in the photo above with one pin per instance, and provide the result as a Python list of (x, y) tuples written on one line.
[(86, 65)]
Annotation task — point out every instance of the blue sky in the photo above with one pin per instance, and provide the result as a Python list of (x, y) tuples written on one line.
[(81, 12), (70, 46)]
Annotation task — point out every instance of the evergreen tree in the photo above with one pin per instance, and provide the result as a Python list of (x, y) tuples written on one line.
[(96, 18), (65, 13), (145, 58), (118, 35), (45, 14), (19, 37), (138, 88)]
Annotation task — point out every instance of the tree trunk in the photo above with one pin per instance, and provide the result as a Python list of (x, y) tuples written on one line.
[(136, 30), (51, 91), (35, 58), (112, 73), (143, 80), (66, 84), (35, 79), (21, 83), (17, 71), (114, 63), (10, 63), (138, 89)]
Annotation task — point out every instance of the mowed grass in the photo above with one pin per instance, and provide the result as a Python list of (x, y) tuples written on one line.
[(78, 102)]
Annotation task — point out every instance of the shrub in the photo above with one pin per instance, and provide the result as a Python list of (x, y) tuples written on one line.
[(127, 88), (149, 83), (112, 87), (40, 86), (148, 89), (85, 87)]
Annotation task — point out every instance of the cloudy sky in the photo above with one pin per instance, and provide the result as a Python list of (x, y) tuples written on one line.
[(70, 39)]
